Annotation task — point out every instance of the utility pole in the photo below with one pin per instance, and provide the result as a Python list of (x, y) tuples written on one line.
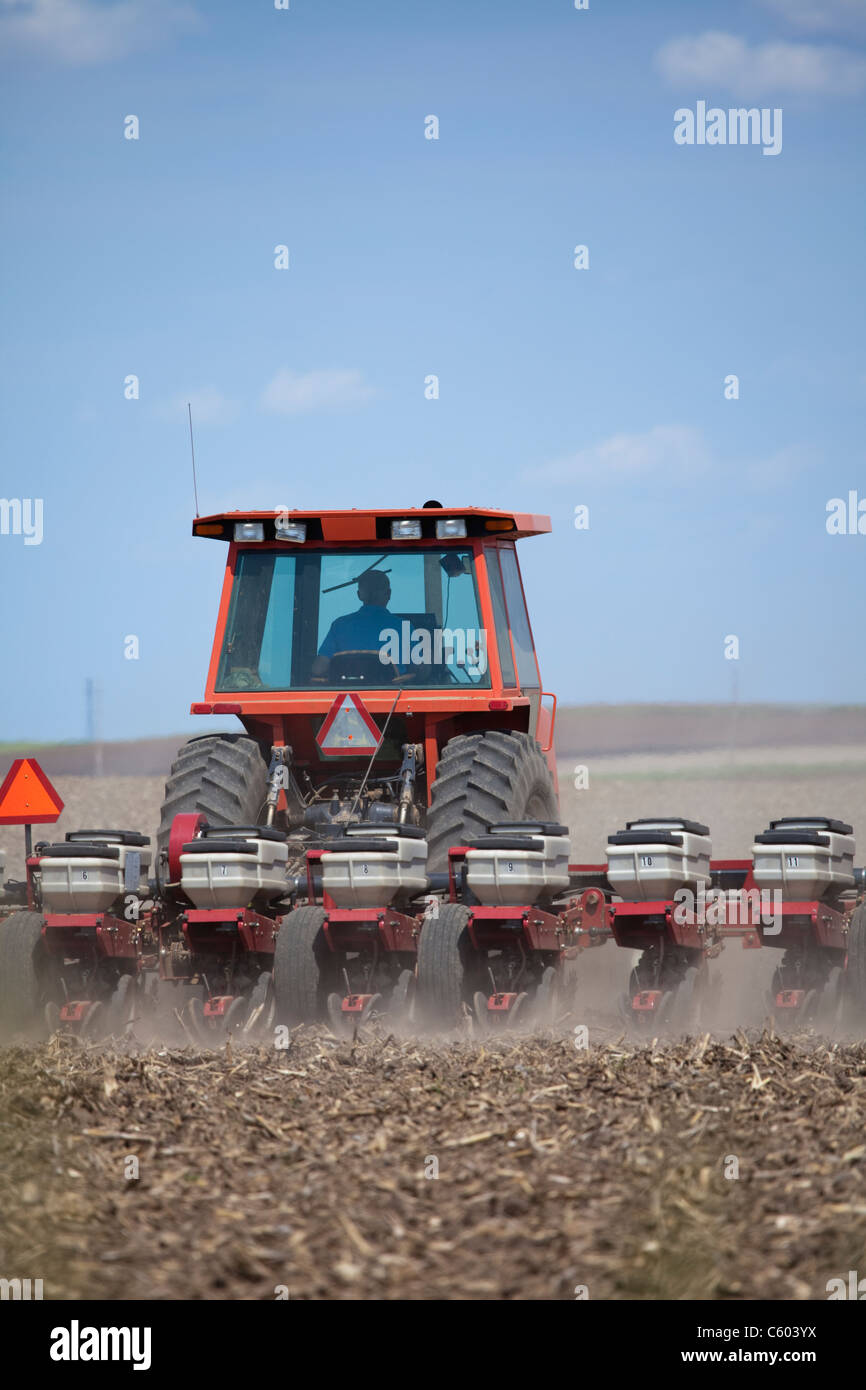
[(92, 722)]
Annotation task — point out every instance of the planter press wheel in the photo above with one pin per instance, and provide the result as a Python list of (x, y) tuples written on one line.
[(195, 1020), (667, 1004), (517, 1011), (235, 1016), (403, 996), (121, 1006), (373, 1005), (833, 1000), (334, 1006), (711, 1004), (688, 999), (261, 998), (776, 987), (545, 997), (808, 1011), (341, 1022), (95, 1022), (625, 1010), (479, 1010), (656, 1020)]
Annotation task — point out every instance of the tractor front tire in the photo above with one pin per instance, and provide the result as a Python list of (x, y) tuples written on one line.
[(856, 972), (23, 963), (500, 775), (306, 970), (223, 776), (447, 970)]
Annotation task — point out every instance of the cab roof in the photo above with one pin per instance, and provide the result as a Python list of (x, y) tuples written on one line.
[(358, 524)]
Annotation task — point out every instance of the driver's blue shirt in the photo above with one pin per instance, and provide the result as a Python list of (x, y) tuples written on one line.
[(358, 631)]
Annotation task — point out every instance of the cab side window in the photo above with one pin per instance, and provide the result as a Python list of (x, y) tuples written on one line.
[(527, 668), (503, 642)]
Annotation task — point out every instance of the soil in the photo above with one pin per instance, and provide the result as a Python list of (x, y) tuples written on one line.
[(519, 1168)]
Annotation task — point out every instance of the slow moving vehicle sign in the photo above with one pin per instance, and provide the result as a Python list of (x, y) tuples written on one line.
[(348, 728), (27, 797)]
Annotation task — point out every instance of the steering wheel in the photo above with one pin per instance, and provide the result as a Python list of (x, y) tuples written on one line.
[(362, 666)]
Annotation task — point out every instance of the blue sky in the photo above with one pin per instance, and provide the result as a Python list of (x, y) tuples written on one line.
[(410, 256)]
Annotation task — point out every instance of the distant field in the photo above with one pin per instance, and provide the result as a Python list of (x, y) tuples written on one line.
[(580, 730), (610, 729), (133, 758)]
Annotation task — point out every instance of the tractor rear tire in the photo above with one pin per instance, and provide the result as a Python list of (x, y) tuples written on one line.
[(446, 978), (306, 970), (500, 775), (23, 962), (856, 973), (223, 776)]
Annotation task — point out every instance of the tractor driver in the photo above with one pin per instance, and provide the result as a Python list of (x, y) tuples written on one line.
[(359, 631)]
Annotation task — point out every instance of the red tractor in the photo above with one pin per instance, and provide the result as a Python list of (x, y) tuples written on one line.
[(382, 665)]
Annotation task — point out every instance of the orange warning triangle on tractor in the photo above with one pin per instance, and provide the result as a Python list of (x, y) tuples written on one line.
[(27, 797), (348, 728)]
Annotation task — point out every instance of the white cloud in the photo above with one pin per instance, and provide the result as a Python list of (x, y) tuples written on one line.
[(824, 16), (287, 393), (663, 451), (770, 69), (82, 32), (209, 407), (295, 393), (674, 454), (769, 474)]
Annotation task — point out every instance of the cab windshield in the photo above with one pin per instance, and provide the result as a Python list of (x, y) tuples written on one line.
[(337, 619)]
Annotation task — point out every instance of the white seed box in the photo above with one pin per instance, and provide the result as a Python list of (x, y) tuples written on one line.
[(517, 863), (804, 858), (652, 858), (385, 862), (232, 867), (88, 872)]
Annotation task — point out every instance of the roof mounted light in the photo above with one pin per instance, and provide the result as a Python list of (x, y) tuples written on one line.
[(286, 530), (450, 527), (408, 530), (249, 531)]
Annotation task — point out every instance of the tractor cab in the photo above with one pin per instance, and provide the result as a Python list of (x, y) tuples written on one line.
[(374, 602), (358, 648)]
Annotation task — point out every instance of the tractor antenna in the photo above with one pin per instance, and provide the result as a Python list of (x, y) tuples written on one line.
[(192, 451)]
